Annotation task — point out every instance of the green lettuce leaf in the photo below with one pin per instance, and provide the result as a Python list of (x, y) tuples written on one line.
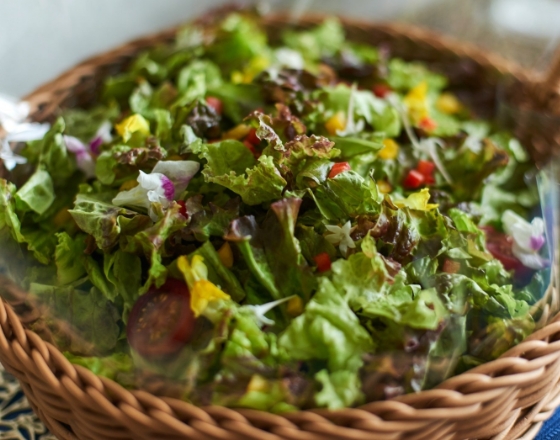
[(37, 194), (322, 41), (327, 330), (69, 258)]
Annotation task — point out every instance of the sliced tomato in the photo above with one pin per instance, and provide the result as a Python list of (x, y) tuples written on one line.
[(323, 262), (252, 137), (339, 168), (183, 208), (381, 90), (425, 167), (161, 321), (215, 103), (428, 124), (413, 180)]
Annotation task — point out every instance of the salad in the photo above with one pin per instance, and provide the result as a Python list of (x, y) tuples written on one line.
[(305, 223)]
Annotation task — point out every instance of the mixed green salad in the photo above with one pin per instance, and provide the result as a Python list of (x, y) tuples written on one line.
[(309, 223)]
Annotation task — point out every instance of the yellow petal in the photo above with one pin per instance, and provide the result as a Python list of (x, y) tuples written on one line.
[(417, 102), (295, 306), (336, 123), (194, 271), (417, 201), (226, 255), (384, 187), (389, 151), (238, 132), (447, 103), (133, 124), (204, 292)]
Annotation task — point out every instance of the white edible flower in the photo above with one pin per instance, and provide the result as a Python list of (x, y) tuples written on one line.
[(289, 58), (430, 146), (83, 157), (83, 152), (263, 309), (166, 181), (12, 119), (352, 127), (528, 239), (341, 236)]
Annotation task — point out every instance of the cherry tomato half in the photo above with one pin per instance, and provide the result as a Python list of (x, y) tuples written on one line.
[(323, 262), (425, 167), (339, 168), (381, 90), (161, 322), (413, 180), (252, 137)]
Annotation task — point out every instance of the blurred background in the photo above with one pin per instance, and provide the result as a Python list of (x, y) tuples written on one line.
[(41, 38)]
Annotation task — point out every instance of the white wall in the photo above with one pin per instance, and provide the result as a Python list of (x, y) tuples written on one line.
[(41, 38)]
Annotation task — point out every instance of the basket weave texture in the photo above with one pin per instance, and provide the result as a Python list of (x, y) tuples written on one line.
[(508, 398)]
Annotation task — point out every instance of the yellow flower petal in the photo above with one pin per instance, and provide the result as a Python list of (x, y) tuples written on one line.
[(204, 292), (133, 124), (336, 123), (226, 255), (417, 102), (417, 201), (389, 151), (448, 103), (194, 271), (238, 132)]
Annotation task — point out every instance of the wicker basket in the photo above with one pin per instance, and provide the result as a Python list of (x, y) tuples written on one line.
[(508, 398)]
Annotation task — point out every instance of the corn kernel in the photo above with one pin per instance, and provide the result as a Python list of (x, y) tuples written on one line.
[(238, 132), (336, 123), (128, 185), (257, 383), (389, 151), (226, 255), (295, 306), (447, 103), (62, 218), (384, 187)]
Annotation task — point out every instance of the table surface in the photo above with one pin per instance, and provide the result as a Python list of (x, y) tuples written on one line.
[(18, 422)]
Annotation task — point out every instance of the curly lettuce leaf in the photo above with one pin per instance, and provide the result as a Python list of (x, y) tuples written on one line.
[(96, 216)]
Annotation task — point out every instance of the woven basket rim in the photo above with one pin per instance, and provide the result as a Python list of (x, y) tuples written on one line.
[(454, 401)]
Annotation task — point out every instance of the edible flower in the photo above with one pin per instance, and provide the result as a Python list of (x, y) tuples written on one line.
[(133, 124), (102, 136), (12, 119), (84, 152), (84, 160), (417, 102), (528, 239), (341, 236), (389, 151), (263, 309), (202, 291), (166, 182), (352, 126), (430, 147)]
